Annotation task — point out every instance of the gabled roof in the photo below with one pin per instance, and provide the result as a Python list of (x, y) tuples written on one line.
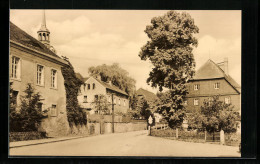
[(149, 96), (20, 36), (108, 86), (211, 70)]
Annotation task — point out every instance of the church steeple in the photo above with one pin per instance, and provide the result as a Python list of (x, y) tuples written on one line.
[(43, 32)]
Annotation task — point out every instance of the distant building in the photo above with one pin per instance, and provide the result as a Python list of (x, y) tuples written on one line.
[(93, 87), (150, 97), (32, 61), (210, 80)]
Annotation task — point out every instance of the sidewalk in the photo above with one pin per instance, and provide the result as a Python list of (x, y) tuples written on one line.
[(17, 144)]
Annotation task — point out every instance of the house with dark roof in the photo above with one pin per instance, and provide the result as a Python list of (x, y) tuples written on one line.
[(210, 80), (94, 87), (35, 61)]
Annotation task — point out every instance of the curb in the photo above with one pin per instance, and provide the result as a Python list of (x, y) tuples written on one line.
[(47, 142)]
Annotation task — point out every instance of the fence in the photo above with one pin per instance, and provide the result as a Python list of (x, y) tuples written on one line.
[(162, 130)]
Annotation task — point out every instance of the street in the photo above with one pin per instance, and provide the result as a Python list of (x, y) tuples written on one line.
[(126, 144)]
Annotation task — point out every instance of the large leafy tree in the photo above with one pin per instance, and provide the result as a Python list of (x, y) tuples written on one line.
[(117, 75), (170, 51), (214, 115), (101, 104)]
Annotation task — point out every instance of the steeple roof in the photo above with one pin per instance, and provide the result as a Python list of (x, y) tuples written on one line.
[(43, 25), (20, 36)]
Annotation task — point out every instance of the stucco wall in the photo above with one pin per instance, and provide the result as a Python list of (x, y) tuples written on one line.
[(207, 89), (53, 125), (100, 89)]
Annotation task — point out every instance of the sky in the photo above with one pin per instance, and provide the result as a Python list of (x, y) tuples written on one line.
[(94, 37)]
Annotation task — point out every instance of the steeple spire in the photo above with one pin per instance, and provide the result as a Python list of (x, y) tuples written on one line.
[(44, 33), (43, 19)]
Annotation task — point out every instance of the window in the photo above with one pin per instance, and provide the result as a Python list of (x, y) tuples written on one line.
[(53, 110), (124, 102), (39, 106), (40, 75), (53, 78), (114, 100), (196, 102), (88, 86), (93, 85), (85, 100), (96, 97), (210, 99), (216, 85), (196, 87), (227, 100), (185, 102), (16, 68), (84, 86), (14, 97), (119, 102)]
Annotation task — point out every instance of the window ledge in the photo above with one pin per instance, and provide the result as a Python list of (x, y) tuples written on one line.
[(40, 85), (53, 88), (15, 79)]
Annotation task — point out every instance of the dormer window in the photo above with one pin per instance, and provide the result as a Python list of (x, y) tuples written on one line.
[(196, 86), (216, 85)]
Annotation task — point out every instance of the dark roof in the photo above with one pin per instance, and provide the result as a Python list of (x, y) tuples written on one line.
[(108, 86), (20, 36), (79, 76), (211, 70), (149, 96)]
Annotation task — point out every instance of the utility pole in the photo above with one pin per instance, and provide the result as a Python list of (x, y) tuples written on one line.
[(113, 114)]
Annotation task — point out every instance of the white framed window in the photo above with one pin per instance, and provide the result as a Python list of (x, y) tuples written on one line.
[(53, 78), (54, 110), (196, 102), (196, 86), (16, 68), (85, 99), (216, 85), (124, 103), (210, 99), (185, 102), (114, 100), (40, 75), (227, 100), (119, 102)]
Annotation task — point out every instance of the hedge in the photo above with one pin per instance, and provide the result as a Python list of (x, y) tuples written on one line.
[(22, 136)]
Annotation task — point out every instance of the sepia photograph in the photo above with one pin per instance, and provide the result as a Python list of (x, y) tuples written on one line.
[(127, 83)]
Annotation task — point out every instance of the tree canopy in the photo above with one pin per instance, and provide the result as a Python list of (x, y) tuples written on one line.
[(170, 51), (214, 115), (117, 75)]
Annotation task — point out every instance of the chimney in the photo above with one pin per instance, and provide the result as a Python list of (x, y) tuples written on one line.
[(226, 66)]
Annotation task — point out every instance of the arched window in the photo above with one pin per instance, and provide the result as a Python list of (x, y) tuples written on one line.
[(40, 36), (93, 85), (44, 37)]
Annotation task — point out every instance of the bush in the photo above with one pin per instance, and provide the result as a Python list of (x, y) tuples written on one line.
[(29, 116), (22, 136)]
